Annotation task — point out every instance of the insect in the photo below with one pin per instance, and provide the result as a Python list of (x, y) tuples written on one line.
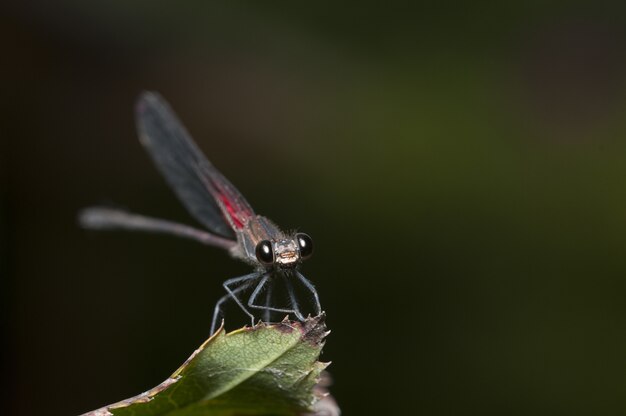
[(212, 200)]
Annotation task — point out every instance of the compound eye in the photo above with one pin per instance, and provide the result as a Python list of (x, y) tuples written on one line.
[(305, 243), (265, 253)]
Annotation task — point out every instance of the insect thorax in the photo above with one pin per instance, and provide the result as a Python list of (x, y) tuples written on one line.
[(256, 230)]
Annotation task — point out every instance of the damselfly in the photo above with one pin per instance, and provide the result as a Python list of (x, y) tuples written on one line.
[(212, 200)]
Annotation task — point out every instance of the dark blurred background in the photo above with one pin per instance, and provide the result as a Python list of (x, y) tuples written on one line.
[(461, 168)]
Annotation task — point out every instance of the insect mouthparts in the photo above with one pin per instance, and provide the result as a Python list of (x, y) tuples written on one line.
[(286, 252)]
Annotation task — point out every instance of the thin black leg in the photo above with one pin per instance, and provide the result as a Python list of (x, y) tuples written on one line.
[(217, 311), (229, 282), (293, 299), (268, 301), (311, 288), (266, 308)]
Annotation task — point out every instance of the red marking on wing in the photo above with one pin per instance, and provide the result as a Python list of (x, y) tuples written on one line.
[(233, 213), (234, 207)]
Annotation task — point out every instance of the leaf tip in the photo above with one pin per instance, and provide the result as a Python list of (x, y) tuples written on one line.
[(314, 329)]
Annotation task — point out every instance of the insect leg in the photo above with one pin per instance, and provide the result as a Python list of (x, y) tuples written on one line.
[(256, 292), (312, 289), (234, 280), (268, 302), (218, 306), (292, 297), (267, 308)]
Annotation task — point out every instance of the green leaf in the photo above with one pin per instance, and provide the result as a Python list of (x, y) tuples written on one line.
[(260, 370)]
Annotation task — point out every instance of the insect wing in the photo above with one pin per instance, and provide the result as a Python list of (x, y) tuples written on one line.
[(208, 196)]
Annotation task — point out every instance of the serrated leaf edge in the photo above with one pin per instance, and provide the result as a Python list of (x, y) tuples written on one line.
[(311, 324)]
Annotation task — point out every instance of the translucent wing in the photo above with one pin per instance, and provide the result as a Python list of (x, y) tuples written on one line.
[(206, 193)]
